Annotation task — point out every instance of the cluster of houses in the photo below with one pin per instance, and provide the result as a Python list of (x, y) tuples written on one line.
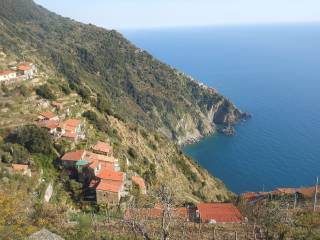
[(100, 171), (305, 192), (202, 213), (21, 71), (71, 129)]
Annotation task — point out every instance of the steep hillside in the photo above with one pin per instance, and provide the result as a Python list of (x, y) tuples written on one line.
[(137, 86)]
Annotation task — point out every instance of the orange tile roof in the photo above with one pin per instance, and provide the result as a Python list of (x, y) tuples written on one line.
[(139, 181), (73, 156), (47, 115), (24, 67), (219, 212), (108, 175), (110, 186), (107, 166), (20, 167), (6, 72), (72, 123), (102, 147)]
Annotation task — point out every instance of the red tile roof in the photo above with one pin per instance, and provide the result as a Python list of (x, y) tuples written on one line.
[(108, 175), (107, 166), (139, 181), (20, 167), (102, 147), (6, 72), (307, 192), (73, 156), (219, 212), (72, 123), (24, 67), (47, 115), (110, 186)]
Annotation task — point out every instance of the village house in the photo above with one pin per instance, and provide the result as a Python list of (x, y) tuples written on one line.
[(54, 127), (22, 169), (73, 129), (89, 164), (27, 70), (141, 183), (7, 75), (70, 159), (109, 192), (218, 213), (47, 116), (111, 187), (103, 148)]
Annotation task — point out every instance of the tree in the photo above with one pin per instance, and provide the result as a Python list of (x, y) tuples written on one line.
[(18, 153), (45, 92), (33, 138)]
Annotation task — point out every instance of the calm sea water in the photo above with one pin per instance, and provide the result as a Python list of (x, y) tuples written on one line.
[(272, 72)]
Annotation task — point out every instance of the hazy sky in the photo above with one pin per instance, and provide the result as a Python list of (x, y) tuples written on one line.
[(123, 14)]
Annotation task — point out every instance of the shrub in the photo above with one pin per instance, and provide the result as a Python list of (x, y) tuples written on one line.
[(84, 92), (14, 153), (65, 89), (45, 92), (93, 118), (24, 90), (132, 153), (103, 105), (33, 138)]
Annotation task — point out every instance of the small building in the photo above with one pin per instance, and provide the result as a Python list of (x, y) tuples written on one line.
[(70, 159), (141, 183), (111, 187), (103, 148), (109, 192), (7, 75), (218, 213), (22, 169), (48, 116), (27, 70), (54, 127), (44, 234), (73, 129)]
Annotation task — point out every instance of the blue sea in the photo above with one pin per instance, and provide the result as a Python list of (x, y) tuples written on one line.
[(271, 71)]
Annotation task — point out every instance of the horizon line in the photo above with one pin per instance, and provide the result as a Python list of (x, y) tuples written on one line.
[(218, 25)]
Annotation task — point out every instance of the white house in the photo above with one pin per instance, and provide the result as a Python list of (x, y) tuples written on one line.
[(7, 75)]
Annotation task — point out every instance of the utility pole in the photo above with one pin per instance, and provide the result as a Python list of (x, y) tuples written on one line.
[(295, 201), (315, 194)]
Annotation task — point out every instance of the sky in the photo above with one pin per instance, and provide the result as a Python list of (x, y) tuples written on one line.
[(136, 14)]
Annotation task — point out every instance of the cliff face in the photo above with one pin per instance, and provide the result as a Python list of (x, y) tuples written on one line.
[(139, 88)]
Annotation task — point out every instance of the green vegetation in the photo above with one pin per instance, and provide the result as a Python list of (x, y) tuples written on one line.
[(45, 92), (98, 122), (33, 138), (129, 83)]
